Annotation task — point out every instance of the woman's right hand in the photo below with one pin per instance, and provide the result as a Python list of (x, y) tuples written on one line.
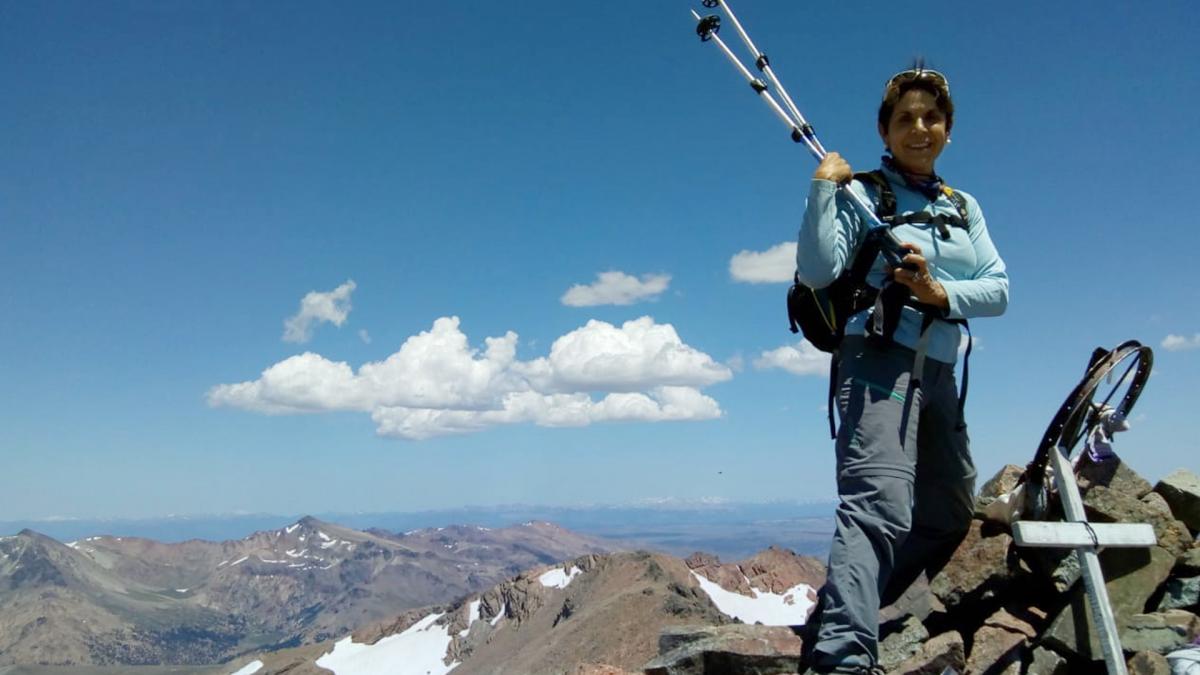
[(834, 168)]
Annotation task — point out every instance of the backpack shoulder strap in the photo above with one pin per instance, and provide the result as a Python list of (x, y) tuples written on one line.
[(885, 207), (960, 203)]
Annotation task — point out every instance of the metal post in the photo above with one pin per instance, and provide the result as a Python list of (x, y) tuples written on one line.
[(1093, 577)]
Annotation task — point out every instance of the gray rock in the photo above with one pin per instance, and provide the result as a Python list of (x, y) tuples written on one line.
[(978, 569), (1189, 562), (916, 601), (1132, 575), (1156, 502), (1115, 475), (1066, 573), (1109, 505), (1148, 663), (733, 648), (936, 655), (1180, 593), (902, 644), (1160, 632), (1004, 481), (1047, 662), (1181, 489)]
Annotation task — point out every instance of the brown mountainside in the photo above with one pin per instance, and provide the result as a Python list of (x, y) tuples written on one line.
[(120, 600), (609, 609)]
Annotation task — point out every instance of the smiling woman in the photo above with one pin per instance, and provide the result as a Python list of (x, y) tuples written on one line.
[(905, 475)]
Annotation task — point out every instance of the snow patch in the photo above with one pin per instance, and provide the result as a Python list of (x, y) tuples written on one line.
[(249, 668), (181, 590), (558, 577), (789, 609), (420, 650), (291, 528), (240, 560), (323, 535), (499, 615)]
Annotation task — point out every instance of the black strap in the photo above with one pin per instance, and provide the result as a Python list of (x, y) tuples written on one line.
[(833, 371), (942, 221), (962, 390), (886, 207)]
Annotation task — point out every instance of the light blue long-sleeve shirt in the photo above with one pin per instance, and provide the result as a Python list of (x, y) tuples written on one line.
[(967, 265)]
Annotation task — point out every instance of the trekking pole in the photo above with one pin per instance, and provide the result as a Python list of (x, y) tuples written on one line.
[(764, 66), (802, 132)]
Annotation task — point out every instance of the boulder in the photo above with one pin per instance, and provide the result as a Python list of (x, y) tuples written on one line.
[(936, 655), (1003, 482), (733, 648), (1048, 662), (997, 645), (1189, 562), (1115, 475), (1132, 575), (1148, 663), (916, 601), (1181, 489), (978, 568), (1180, 593), (1159, 632), (1108, 505), (901, 644), (1156, 502)]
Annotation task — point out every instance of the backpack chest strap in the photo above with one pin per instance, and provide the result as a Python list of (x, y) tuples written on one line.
[(941, 221)]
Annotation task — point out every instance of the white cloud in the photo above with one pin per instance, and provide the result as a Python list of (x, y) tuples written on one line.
[(364, 336), (436, 383), (551, 410), (1179, 343), (638, 355), (616, 288), (774, 265), (332, 306), (801, 359)]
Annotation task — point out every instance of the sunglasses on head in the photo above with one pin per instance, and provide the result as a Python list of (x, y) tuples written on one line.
[(918, 74)]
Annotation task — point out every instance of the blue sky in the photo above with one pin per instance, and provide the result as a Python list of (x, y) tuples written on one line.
[(177, 177)]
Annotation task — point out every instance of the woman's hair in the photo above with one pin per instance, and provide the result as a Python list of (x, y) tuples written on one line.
[(921, 79)]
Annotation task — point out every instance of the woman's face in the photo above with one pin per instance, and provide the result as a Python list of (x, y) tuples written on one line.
[(916, 133)]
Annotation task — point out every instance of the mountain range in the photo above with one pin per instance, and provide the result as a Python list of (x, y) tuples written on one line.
[(129, 601)]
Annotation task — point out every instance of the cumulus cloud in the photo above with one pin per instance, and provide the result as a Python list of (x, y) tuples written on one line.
[(616, 288), (799, 359), (332, 306), (436, 383), (1179, 343), (774, 265)]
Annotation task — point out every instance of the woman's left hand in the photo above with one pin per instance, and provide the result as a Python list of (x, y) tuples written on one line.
[(924, 287)]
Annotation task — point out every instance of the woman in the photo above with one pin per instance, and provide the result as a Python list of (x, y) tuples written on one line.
[(904, 471)]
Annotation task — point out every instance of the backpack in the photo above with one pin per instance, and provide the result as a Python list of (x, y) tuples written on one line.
[(821, 313)]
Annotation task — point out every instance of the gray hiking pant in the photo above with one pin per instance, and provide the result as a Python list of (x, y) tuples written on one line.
[(905, 483)]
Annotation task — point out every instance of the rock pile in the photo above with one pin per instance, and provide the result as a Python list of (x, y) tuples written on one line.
[(999, 609)]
